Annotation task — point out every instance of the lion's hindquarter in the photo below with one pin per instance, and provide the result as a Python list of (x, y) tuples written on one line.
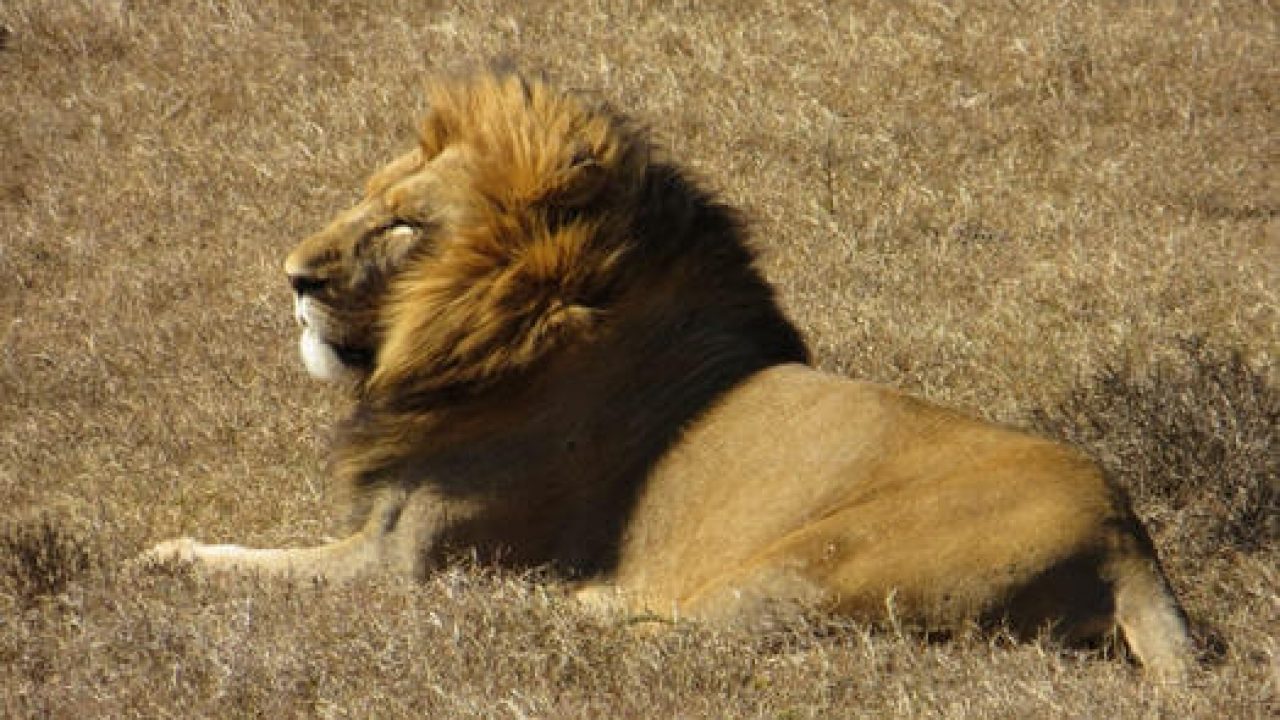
[(806, 486)]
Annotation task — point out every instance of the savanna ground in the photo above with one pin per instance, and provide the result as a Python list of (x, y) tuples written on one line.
[(1060, 215)]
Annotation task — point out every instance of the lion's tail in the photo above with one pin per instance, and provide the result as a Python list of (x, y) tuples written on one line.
[(1153, 623)]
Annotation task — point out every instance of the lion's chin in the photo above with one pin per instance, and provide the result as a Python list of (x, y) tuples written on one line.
[(324, 361)]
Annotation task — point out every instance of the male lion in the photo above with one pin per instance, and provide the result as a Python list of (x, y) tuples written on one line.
[(562, 356)]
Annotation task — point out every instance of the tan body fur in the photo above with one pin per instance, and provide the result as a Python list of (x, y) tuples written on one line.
[(562, 356)]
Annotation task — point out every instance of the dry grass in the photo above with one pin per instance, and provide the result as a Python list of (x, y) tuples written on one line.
[(1021, 209)]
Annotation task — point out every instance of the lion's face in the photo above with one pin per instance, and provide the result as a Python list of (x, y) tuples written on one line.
[(475, 251), (341, 274)]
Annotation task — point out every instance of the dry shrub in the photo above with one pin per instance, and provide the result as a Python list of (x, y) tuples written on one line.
[(1195, 436), (39, 558)]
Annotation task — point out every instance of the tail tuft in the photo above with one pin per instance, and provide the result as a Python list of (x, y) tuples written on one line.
[(1152, 621)]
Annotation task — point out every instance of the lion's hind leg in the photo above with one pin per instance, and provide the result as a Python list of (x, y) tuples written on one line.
[(607, 602), (754, 597), (765, 594)]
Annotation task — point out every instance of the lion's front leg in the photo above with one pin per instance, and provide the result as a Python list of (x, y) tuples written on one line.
[(376, 547), (340, 560)]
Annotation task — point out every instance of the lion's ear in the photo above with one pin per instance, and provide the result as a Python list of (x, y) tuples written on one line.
[(583, 156)]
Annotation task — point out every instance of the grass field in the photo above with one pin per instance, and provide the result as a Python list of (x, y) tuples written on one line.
[(1060, 215)]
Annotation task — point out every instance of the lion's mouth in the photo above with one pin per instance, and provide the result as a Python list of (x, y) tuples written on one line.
[(353, 357), (317, 344), (328, 360)]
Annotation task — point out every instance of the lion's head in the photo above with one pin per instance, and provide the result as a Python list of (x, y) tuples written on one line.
[(501, 236)]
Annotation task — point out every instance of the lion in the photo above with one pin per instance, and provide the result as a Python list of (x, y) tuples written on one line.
[(562, 355)]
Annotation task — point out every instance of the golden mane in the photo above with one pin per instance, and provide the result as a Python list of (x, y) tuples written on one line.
[(546, 232)]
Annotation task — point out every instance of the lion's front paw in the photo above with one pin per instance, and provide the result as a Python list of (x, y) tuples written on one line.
[(178, 550)]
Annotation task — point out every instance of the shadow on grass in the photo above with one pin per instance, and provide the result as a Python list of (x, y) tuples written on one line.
[(1194, 436)]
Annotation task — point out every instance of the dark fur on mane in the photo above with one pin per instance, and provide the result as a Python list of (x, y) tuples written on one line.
[(616, 306)]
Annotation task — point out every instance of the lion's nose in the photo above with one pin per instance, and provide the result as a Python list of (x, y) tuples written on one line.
[(306, 284)]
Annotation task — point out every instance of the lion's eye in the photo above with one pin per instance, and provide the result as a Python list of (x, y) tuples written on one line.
[(388, 244), (397, 232), (400, 229)]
